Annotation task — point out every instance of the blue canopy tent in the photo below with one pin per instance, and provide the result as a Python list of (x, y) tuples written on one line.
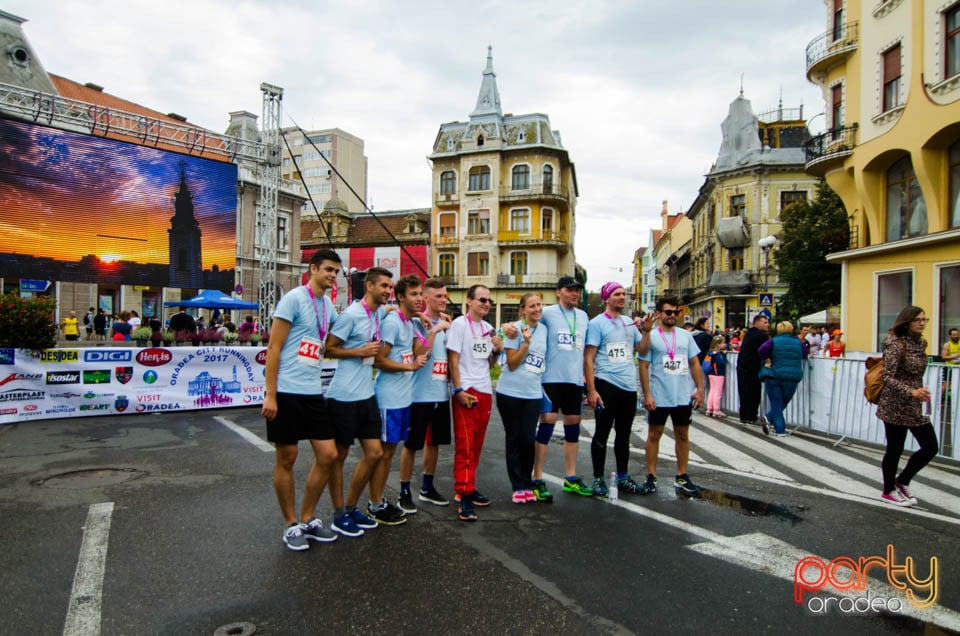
[(213, 299)]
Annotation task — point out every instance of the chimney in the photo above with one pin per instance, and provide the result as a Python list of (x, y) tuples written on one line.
[(663, 215), (243, 124)]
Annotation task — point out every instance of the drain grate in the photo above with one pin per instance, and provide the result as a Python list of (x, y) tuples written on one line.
[(88, 478)]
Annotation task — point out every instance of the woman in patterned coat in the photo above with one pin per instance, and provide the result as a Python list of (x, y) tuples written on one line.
[(901, 404)]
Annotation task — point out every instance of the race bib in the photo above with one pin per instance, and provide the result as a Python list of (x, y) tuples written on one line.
[(406, 357), (677, 366), (482, 347), (310, 352), (534, 362), (617, 353), (564, 341), (439, 370)]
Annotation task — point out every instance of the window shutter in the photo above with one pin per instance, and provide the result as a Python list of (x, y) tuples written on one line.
[(891, 64)]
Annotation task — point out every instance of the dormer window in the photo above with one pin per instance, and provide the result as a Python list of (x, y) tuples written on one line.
[(451, 145), (522, 136), (480, 140)]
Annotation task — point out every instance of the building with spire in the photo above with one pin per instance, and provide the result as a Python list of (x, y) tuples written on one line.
[(504, 203), (759, 173), (183, 237)]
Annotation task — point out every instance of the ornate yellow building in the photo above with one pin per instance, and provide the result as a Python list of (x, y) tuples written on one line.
[(758, 175), (504, 194), (890, 74)]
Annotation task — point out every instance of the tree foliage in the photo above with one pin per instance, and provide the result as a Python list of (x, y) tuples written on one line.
[(27, 323), (811, 230)]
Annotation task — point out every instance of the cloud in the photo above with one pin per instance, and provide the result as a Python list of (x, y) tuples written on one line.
[(637, 89)]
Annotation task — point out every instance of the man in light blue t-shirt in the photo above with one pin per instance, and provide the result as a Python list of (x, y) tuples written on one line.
[(400, 355), (293, 404), (562, 386), (665, 374), (355, 342), (430, 411)]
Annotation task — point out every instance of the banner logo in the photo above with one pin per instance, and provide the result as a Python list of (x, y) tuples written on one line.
[(149, 377), (7, 356), (154, 357), (124, 374), (96, 376), (63, 377), (17, 377), (121, 403), (99, 355), (59, 355)]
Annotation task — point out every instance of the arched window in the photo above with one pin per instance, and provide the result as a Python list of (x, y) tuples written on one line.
[(521, 177), (448, 182), (479, 178), (547, 179), (906, 209)]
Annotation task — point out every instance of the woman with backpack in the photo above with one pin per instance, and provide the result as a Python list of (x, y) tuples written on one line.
[(715, 368), (901, 404), (781, 375)]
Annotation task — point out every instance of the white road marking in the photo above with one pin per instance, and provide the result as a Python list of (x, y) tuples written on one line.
[(732, 456), (83, 612), (246, 434), (761, 553)]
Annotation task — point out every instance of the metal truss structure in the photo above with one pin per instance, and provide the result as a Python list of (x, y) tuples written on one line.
[(266, 227), (52, 110)]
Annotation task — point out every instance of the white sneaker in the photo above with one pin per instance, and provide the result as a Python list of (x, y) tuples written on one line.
[(894, 497)]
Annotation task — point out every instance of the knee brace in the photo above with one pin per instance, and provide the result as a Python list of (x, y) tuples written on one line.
[(571, 433), (544, 433)]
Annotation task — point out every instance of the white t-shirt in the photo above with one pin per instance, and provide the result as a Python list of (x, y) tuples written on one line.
[(473, 342)]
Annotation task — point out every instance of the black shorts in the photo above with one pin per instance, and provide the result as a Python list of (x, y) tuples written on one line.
[(428, 416), (566, 397), (679, 415), (101, 332), (299, 417), (355, 420)]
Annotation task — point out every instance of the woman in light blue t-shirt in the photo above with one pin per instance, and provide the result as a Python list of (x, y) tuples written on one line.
[(519, 395)]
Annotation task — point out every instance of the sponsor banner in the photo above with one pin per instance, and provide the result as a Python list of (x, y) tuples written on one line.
[(130, 380)]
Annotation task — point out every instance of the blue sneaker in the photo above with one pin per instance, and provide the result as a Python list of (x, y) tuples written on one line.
[(344, 525), (293, 537), (362, 520)]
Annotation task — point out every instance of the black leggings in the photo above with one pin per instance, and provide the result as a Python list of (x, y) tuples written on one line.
[(520, 417), (896, 436), (619, 409)]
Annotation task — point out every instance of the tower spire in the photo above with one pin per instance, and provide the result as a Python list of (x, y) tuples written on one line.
[(488, 101)]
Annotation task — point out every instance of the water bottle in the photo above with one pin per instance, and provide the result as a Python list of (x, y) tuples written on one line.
[(613, 493)]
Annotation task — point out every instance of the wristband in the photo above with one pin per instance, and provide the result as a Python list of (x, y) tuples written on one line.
[(457, 390)]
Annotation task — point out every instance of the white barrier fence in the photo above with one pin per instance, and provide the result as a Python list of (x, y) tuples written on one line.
[(830, 399)]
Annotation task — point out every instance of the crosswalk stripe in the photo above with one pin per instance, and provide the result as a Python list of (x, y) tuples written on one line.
[(667, 442), (779, 452), (734, 457)]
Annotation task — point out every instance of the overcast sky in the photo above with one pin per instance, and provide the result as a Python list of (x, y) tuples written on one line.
[(637, 89)]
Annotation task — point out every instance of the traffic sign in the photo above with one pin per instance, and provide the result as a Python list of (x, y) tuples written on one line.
[(27, 285), (765, 299)]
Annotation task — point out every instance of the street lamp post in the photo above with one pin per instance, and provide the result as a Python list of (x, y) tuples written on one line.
[(766, 244)]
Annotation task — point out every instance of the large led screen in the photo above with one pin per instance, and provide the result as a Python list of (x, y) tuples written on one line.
[(79, 208)]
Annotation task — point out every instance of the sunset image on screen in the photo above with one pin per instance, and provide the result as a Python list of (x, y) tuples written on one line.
[(84, 208)]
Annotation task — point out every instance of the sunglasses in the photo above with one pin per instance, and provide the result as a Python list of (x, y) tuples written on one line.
[(483, 300), (670, 312)]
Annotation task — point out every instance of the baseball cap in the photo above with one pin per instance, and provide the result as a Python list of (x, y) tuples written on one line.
[(569, 282), (836, 332)]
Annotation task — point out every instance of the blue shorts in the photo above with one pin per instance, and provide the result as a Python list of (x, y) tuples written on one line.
[(396, 425)]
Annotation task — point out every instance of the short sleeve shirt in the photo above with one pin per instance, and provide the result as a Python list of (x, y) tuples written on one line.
[(566, 330), (353, 380), (431, 381), (670, 380), (301, 357), (524, 381), (394, 388), (473, 342), (615, 340)]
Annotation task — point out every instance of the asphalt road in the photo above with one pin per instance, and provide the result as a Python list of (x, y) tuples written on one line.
[(193, 541)]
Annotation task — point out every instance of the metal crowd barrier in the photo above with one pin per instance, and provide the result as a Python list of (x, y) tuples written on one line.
[(830, 400)]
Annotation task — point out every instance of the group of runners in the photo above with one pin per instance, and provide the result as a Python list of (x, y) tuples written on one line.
[(429, 368)]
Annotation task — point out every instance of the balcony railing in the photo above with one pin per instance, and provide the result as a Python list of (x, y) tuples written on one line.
[(830, 47), (446, 240), (730, 282), (527, 280), (551, 191), (446, 198), (835, 144), (513, 236)]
